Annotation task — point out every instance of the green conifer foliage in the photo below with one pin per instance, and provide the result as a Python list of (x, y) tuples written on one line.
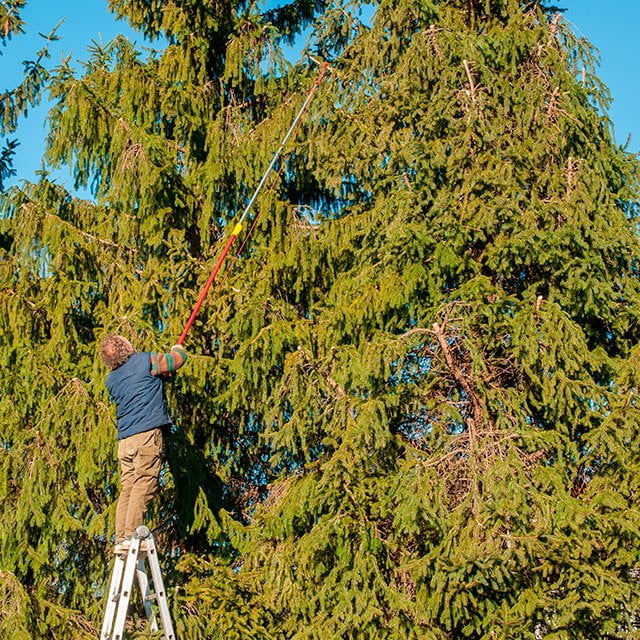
[(470, 339), (172, 144), (410, 410)]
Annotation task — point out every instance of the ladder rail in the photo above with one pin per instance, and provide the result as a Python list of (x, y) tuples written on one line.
[(112, 602), (125, 593), (158, 583), (143, 582)]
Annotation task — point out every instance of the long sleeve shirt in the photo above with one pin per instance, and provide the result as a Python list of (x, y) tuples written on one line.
[(167, 362)]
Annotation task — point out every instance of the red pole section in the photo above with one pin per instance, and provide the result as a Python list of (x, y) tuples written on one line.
[(236, 231)]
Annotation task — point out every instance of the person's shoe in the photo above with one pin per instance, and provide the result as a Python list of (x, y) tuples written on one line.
[(122, 547)]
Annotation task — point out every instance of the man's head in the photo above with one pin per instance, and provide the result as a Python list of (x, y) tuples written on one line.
[(115, 350)]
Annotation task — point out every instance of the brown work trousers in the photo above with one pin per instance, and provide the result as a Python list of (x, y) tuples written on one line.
[(140, 462)]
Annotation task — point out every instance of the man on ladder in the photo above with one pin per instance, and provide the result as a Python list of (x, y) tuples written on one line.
[(136, 384)]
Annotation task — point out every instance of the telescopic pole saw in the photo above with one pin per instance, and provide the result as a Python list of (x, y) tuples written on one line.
[(238, 227)]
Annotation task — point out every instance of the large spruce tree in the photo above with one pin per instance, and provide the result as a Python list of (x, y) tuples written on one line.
[(410, 410)]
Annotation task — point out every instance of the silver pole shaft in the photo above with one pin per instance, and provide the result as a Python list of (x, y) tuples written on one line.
[(282, 144)]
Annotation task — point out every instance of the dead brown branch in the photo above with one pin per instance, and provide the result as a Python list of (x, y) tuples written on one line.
[(433, 41), (456, 370), (572, 170), (553, 28), (472, 86), (553, 103)]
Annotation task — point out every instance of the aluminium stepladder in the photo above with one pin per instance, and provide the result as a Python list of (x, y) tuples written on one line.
[(127, 566)]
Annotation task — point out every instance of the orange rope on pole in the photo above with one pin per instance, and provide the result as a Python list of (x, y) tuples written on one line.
[(238, 228)]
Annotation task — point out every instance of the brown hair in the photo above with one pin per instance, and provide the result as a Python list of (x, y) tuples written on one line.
[(115, 350)]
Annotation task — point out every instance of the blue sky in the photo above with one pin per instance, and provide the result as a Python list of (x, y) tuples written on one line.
[(612, 27)]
